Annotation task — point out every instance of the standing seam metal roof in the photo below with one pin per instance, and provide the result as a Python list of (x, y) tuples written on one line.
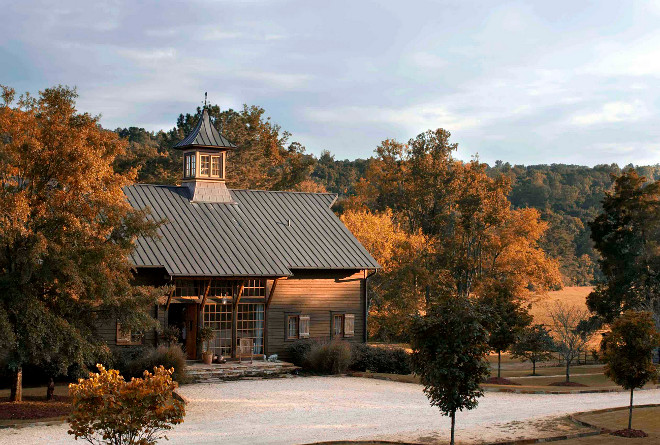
[(252, 237), (204, 135)]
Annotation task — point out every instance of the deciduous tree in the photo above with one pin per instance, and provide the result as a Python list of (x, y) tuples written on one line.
[(627, 351), (66, 231), (449, 346), (571, 338), (533, 343)]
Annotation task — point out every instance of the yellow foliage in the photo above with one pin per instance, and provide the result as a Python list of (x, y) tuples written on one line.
[(107, 409)]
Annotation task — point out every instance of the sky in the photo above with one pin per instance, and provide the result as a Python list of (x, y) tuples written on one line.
[(526, 82)]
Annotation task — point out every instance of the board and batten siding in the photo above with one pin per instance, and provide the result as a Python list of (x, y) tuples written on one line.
[(318, 295)]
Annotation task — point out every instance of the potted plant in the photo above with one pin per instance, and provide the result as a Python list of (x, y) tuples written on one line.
[(206, 334)]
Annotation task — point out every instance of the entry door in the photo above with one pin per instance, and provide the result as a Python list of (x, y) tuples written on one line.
[(191, 331)]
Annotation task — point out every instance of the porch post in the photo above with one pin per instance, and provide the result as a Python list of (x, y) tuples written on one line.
[(266, 306), (234, 315)]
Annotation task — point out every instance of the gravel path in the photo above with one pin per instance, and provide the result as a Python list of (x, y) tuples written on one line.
[(309, 409)]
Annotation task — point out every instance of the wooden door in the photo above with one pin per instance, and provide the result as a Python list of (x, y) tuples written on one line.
[(191, 331)]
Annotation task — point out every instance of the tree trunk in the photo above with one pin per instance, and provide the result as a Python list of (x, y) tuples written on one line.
[(630, 409), (16, 394), (499, 363), (533, 367), (50, 390), (568, 371), (453, 424)]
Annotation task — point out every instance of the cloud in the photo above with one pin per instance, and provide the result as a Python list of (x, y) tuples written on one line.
[(612, 112)]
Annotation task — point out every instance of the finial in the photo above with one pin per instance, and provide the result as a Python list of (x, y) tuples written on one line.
[(205, 96)]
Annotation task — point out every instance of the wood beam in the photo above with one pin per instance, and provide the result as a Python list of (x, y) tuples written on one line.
[(206, 294), (272, 291), (169, 298)]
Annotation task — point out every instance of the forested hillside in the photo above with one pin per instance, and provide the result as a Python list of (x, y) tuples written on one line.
[(567, 196)]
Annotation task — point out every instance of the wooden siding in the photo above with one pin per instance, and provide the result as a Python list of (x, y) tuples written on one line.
[(318, 295)]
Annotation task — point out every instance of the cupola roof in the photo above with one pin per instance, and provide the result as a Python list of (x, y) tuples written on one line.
[(205, 136)]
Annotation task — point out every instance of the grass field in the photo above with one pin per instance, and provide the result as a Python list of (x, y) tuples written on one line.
[(646, 419)]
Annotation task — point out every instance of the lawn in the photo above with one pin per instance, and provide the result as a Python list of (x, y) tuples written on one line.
[(647, 419)]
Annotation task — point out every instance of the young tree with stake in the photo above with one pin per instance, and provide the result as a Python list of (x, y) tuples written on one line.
[(627, 352), (449, 346)]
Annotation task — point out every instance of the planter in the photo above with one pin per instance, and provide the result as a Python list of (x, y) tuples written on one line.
[(207, 357)]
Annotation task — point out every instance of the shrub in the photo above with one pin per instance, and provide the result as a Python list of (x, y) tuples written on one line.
[(328, 358), (298, 350), (108, 409), (170, 335), (145, 359), (376, 359)]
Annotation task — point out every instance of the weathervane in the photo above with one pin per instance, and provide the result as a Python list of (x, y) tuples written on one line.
[(205, 95)]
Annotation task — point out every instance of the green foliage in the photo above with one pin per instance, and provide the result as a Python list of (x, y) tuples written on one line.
[(109, 410), (298, 350), (205, 335), (66, 232), (533, 343), (506, 316), (380, 359), (627, 235), (627, 350), (450, 346)]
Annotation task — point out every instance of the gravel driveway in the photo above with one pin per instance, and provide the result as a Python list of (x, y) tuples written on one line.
[(309, 409)]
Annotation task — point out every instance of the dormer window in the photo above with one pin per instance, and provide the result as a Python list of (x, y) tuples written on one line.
[(205, 165), (189, 165)]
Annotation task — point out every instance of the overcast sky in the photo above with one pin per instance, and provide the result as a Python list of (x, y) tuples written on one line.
[(525, 82)]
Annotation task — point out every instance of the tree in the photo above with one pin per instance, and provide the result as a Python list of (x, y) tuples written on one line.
[(476, 236), (570, 339), (449, 347), (533, 343), (66, 231), (398, 289), (109, 410), (506, 316), (627, 351), (627, 235)]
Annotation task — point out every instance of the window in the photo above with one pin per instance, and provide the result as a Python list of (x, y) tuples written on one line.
[(126, 337), (343, 325), (189, 165), (297, 326), (338, 325), (205, 165), (216, 166), (218, 316), (250, 324), (292, 327), (254, 288)]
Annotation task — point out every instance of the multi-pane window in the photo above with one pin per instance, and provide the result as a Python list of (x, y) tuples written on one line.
[(205, 165), (297, 326), (190, 288), (221, 288), (189, 165), (338, 325), (292, 332), (254, 288), (127, 337), (218, 316), (216, 166), (250, 324)]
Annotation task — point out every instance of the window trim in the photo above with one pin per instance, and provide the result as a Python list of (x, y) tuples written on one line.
[(287, 331), (190, 168), (221, 164), (332, 324), (201, 165)]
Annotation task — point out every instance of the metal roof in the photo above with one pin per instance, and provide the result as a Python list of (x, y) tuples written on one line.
[(263, 234), (204, 135)]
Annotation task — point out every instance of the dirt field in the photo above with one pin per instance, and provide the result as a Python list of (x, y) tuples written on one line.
[(570, 295)]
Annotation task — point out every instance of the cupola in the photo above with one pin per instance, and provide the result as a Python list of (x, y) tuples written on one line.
[(204, 161)]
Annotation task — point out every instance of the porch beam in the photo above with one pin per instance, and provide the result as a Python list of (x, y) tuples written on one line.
[(169, 298), (206, 294)]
